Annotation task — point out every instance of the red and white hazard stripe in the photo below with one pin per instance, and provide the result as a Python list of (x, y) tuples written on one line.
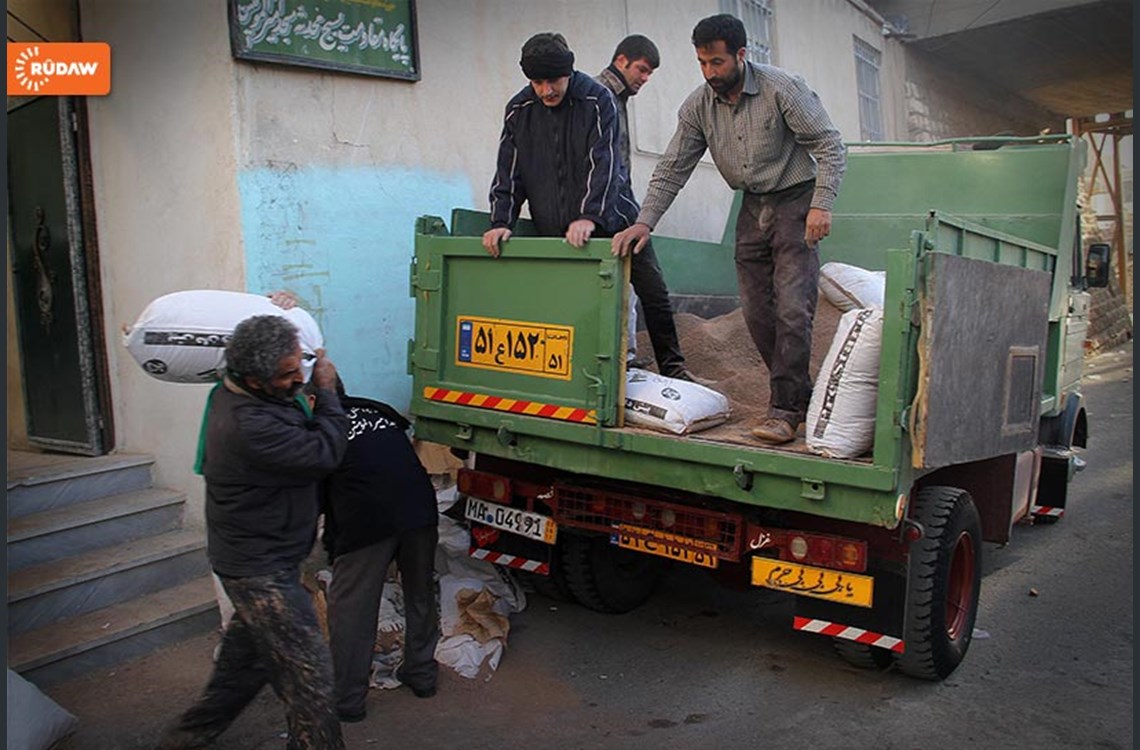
[(1044, 510), (835, 630), (510, 561)]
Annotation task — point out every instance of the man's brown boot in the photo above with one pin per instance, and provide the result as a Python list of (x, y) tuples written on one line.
[(775, 431)]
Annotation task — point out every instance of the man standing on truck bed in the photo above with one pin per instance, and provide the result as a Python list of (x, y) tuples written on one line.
[(563, 159), (633, 62), (769, 136)]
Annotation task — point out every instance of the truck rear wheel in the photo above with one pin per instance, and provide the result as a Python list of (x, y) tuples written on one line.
[(606, 578), (945, 579), (553, 586)]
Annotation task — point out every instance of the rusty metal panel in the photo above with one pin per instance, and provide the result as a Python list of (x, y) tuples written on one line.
[(981, 360)]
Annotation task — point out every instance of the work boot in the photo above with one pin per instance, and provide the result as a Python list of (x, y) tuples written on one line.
[(684, 374), (775, 431)]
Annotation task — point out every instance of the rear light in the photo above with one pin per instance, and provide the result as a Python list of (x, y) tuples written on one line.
[(798, 546), (821, 550), (485, 486), (852, 555)]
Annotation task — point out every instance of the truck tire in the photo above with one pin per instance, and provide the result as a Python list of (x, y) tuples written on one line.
[(606, 578), (945, 579), (862, 656), (552, 586)]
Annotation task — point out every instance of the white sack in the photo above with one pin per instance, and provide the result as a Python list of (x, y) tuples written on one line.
[(181, 337), (841, 415), (671, 405), (852, 288), (35, 721)]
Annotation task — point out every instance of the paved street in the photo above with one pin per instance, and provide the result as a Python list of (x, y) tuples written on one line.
[(699, 666)]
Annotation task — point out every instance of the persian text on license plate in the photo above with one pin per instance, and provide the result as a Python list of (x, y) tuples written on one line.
[(514, 346), (665, 545), (820, 583), (521, 522)]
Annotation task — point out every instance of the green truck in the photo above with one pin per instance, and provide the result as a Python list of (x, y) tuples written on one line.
[(515, 362)]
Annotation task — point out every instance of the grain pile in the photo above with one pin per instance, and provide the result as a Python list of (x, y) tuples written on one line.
[(721, 350)]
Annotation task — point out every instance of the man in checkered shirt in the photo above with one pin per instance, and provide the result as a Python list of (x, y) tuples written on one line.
[(769, 136)]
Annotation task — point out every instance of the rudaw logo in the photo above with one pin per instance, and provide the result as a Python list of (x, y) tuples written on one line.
[(59, 68)]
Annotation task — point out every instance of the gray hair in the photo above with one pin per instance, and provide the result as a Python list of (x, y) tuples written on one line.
[(258, 345)]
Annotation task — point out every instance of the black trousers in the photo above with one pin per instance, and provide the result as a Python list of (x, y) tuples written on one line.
[(354, 609), (649, 283), (273, 638)]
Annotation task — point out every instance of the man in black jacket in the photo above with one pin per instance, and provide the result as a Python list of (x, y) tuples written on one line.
[(560, 152), (262, 453), (379, 506)]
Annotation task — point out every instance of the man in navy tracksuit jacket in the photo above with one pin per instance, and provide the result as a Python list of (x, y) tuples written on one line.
[(560, 152)]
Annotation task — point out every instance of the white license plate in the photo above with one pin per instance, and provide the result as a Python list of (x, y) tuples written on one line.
[(521, 522)]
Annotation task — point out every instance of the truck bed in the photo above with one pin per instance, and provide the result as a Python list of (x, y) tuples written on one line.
[(720, 350)]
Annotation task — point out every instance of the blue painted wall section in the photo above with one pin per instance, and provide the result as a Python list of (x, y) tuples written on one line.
[(341, 239)]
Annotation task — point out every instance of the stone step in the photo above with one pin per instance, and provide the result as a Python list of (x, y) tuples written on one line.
[(107, 636), (41, 482), (42, 594), (42, 537)]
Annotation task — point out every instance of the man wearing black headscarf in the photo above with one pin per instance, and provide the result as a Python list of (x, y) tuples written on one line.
[(560, 152)]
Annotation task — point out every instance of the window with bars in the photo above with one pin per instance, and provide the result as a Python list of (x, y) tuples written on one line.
[(757, 18), (868, 60)]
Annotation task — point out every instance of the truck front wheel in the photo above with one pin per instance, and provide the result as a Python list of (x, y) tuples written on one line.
[(944, 581), (604, 577)]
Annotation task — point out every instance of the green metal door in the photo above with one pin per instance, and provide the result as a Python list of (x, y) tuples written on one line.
[(60, 373)]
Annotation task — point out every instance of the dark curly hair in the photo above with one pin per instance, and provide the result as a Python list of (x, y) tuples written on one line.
[(720, 28), (258, 345)]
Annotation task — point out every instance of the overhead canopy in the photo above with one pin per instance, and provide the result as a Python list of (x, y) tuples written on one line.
[(1071, 57)]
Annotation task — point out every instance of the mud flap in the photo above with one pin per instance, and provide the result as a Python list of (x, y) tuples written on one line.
[(882, 624)]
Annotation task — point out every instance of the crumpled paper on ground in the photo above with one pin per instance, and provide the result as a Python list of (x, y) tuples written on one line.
[(477, 616)]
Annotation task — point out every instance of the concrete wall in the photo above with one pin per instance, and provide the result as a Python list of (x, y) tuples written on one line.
[(167, 206), (943, 104), (816, 40)]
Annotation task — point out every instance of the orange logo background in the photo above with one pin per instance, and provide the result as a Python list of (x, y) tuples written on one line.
[(59, 68)]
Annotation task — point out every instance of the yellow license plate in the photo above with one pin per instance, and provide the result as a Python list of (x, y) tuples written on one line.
[(819, 583), (514, 346), (665, 545)]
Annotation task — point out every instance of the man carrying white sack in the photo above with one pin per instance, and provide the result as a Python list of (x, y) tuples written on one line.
[(262, 453)]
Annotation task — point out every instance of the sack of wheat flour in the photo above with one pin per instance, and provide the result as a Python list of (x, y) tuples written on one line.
[(841, 414), (852, 288), (181, 337), (671, 405)]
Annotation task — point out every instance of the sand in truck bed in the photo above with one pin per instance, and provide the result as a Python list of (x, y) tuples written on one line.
[(721, 350)]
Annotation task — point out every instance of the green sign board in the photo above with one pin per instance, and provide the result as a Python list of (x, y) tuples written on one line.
[(371, 37)]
